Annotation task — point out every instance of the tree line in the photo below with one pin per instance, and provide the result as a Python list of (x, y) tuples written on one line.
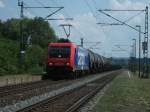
[(36, 32)]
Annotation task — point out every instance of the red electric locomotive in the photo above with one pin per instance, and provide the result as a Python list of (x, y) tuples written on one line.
[(66, 59), (60, 56)]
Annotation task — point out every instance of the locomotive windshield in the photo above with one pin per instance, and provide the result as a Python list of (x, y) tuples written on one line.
[(59, 51)]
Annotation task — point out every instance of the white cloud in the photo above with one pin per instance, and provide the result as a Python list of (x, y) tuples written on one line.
[(2, 5), (128, 4), (29, 15), (86, 23)]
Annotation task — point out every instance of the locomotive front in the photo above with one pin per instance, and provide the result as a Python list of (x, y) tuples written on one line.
[(60, 59)]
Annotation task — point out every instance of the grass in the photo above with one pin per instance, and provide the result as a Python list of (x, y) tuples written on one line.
[(126, 95)]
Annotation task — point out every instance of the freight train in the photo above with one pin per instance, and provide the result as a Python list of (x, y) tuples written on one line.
[(66, 59)]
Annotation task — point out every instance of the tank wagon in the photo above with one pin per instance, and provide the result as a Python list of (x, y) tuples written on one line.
[(66, 59)]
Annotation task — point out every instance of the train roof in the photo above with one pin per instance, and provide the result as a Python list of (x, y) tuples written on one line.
[(73, 44), (61, 44)]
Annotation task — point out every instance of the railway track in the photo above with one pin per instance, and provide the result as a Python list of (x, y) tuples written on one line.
[(12, 94), (72, 100), (10, 87)]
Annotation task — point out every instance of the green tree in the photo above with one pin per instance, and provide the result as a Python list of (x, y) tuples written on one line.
[(8, 56), (11, 29), (40, 32)]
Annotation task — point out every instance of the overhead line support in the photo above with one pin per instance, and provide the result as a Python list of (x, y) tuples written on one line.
[(111, 24), (145, 73), (54, 12), (123, 23), (22, 42), (22, 45), (119, 10), (59, 19), (44, 7)]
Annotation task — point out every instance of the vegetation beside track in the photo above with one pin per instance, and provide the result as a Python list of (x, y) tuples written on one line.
[(40, 32), (126, 95)]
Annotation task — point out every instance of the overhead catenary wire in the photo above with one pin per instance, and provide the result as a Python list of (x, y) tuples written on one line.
[(30, 10), (94, 15), (96, 43), (39, 2), (63, 26), (49, 9), (120, 49), (120, 10), (94, 3), (75, 28), (68, 15), (124, 23), (133, 16), (91, 10)]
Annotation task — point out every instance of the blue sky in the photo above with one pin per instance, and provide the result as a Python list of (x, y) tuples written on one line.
[(86, 16)]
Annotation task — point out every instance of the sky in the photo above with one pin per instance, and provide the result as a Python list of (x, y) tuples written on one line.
[(109, 41)]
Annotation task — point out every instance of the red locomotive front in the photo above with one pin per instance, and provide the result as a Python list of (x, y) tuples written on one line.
[(60, 58)]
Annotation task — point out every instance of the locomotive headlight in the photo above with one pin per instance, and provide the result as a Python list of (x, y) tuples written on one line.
[(67, 64), (50, 63)]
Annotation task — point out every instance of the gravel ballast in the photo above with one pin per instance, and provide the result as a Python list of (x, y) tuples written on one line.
[(22, 104)]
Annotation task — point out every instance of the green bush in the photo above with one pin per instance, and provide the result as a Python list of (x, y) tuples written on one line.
[(34, 57), (8, 56), (35, 70)]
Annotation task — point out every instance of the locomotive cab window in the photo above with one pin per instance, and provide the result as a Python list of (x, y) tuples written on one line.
[(59, 51)]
